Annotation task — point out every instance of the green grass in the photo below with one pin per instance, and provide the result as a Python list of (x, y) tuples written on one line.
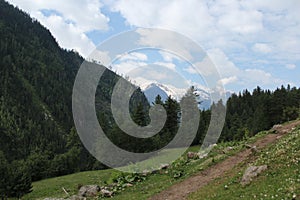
[(142, 190), (280, 181), (154, 183), (53, 187)]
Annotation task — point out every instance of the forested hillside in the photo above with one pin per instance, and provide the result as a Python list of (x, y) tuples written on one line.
[(37, 135), (249, 113)]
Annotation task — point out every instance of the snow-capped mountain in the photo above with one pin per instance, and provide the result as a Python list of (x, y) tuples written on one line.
[(154, 89), (204, 98)]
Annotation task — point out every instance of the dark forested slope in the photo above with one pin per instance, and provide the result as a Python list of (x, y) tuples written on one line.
[(37, 76)]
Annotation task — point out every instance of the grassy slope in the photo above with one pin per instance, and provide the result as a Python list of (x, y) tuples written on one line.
[(264, 185), (280, 181), (153, 184)]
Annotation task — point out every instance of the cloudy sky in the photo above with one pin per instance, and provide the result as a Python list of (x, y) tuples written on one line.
[(252, 43)]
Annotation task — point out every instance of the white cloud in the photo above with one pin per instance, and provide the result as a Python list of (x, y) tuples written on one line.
[(169, 65), (243, 29), (204, 67), (190, 70), (254, 77), (240, 20), (290, 66), (262, 48), (101, 56), (68, 35), (165, 40), (127, 67), (74, 20), (224, 65), (167, 56), (134, 56), (228, 80), (230, 73)]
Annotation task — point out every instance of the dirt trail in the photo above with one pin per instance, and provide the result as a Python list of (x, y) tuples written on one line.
[(183, 189)]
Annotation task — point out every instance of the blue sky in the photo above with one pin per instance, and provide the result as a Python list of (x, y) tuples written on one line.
[(251, 43)]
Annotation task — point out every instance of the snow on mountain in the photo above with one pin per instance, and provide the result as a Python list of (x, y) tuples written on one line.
[(154, 89)]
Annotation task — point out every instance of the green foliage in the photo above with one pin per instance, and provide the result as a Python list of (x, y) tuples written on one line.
[(139, 115), (3, 175), (15, 178), (37, 76), (128, 178), (19, 180), (247, 113)]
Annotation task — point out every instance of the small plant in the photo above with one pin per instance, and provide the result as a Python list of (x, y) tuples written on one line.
[(177, 173)]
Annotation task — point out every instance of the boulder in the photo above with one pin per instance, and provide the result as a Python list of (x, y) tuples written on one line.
[(202, 155), (254, 149), (106, 193), (89, 190), (54, 199), (146, 172), (155, 171), (276, 128), (227, 149), (191, 155), (164, 166), (252, 172), (76, 197), (129, 185)]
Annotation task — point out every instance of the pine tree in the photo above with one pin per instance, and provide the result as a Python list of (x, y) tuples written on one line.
[(19, 181), (3, 175), (158, 100), (139, 115)]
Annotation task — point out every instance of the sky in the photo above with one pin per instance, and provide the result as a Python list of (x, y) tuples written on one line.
[(251, 43)]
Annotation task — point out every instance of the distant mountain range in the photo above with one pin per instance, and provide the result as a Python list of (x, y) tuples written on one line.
[(154, 89)]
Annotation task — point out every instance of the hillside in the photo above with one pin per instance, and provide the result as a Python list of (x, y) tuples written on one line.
[(281, 180), (37, 77), (216, 176)]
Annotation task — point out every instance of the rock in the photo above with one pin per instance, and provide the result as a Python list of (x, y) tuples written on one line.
[(110, 186), (54, 199), (278, 137), (227, 149), (276, 127), (191, 155), (202, 155), (89, 191), (129, 185), (164, 166), (106, 193), (76, 197), (254, 149), (252, 172), (284, 131), (211, 146), (155, 171), (146, 172)]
